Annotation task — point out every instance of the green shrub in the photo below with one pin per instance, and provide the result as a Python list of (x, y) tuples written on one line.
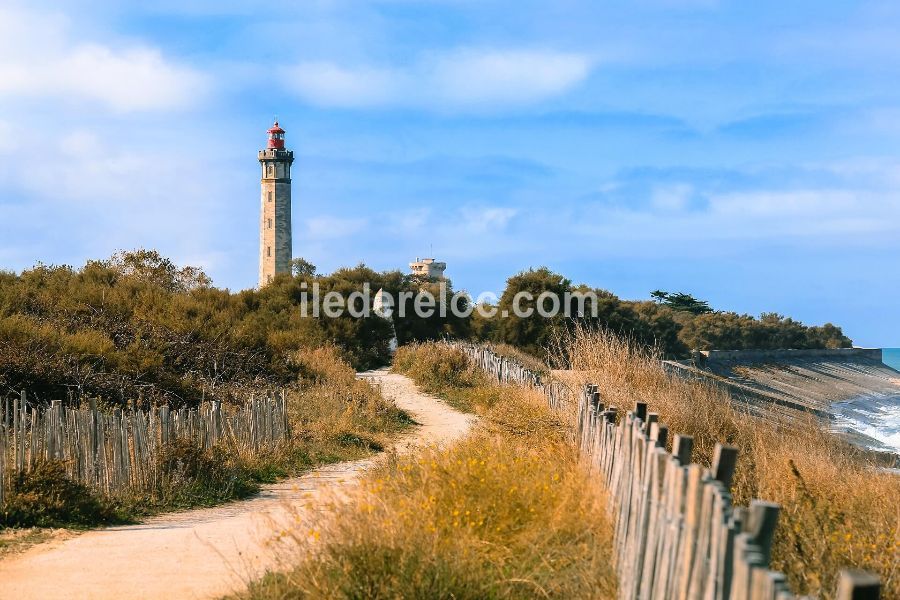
[(192, 476), (46, 497)]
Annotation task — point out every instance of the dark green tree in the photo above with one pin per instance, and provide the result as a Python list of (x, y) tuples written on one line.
[(301, 267), (530, 333), (681, 302)]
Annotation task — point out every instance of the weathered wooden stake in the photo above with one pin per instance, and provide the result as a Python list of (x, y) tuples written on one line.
[(858, 585), (682, 447), (640, 410), (724, 461), (762, 521)]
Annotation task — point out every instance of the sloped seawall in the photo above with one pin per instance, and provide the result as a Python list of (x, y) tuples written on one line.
[(850, 386)]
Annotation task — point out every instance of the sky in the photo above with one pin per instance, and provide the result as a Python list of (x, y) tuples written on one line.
[(746, 153)]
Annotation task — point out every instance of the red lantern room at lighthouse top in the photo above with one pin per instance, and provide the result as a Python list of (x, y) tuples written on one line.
[(276, 137)]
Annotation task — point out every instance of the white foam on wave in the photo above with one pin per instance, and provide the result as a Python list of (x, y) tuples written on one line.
[(875, 417)]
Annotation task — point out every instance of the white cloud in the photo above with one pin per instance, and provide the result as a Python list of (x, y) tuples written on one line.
[(465, 78), (780, 204), (410, 219), (131, 78), (470, 77), (103, 192), (879, 171), (80, 143), (482, 219), (815, 216), (327, 84)]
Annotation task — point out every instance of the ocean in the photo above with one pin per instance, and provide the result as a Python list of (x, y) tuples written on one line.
[(891, 357), (875, 417)]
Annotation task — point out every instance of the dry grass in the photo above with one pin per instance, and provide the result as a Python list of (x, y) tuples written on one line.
[(448, 373), (334, 412), (15, 540), (333, 417), (838, 510), (506, 513), (523, 358)]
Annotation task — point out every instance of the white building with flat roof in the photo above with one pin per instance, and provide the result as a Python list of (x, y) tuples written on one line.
[(428, 268)]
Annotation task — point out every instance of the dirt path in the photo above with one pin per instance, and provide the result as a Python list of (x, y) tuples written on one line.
[(208, 552)]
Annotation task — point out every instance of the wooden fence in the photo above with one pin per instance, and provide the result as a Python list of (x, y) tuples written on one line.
[(677, 534), (117, 452), (504, 370)]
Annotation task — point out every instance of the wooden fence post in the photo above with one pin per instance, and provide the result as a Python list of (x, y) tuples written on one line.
[(724, 461), (662, 436), (682, 447), (858, 585), (763, 517), (640, 411)]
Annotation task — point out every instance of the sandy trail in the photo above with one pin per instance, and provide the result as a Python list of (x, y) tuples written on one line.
[(207, 553)]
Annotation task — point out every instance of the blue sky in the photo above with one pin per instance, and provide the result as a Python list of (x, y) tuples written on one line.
[(748, 153)]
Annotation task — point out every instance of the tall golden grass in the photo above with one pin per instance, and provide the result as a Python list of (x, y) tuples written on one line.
[(838, 509), (335, 415), (523, 358), (506, 513), (446, 372)]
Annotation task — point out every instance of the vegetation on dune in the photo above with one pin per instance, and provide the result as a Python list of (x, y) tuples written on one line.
[(333, 417), (505, 513), (771, 331), (136, 327), (510, 352), (681, 302), (838, 509), (534, 333), (138, 330), (45, 497), (674, 323)]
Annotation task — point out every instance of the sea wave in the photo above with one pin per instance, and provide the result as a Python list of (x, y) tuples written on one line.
[(874, 419)]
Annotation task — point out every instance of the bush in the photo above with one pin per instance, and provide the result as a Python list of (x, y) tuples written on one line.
[(731, 331), (136, 326), (322, 365), (46, 497), (192, 476)]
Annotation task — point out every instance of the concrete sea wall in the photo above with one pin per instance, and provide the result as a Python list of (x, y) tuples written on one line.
[(806, 380)]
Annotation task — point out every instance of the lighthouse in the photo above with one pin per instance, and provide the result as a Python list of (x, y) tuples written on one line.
[(275, 210)]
